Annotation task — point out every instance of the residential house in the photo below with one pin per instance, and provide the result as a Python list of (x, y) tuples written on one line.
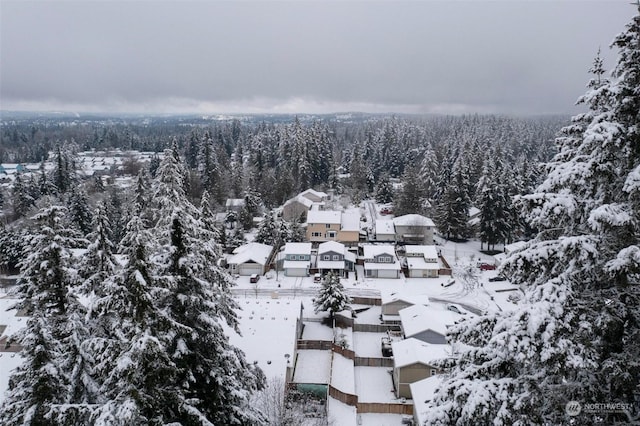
[(380, 261), (315, 196), (296, 208), (384, 231), (413, 360), (414, 229), (422, 393), (393, 302), (334, 256), (331, 225), (235, 204), (252, 258), (297, 259), (427, 323), (422, 261)]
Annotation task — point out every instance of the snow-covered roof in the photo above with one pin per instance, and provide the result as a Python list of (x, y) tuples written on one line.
[(324, 216), (474, 211), (297, 248), (413, 220), (312, 191), (514, 246), (300, 199), (418, 263), (422, 392), (252, 252), (331, 246), (408, 297), (370, 251), (350, 222), (418, 318), (296, 264), (330, 264), (414, 351), (351, 257), (235, 202), (384, 226), (427, 252)]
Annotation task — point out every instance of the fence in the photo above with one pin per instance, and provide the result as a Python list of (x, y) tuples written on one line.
[(372, 362), (376, 328), (347, 353), (385, 408), (363, 300), (343, 397), (324, 345)]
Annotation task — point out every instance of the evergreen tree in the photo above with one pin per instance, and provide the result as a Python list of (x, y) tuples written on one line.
[(384, 191), (79, 211), (99, 262), (332, 296), (267, 231), (410, 199), (22, 200), (452, 209), (575, 335)]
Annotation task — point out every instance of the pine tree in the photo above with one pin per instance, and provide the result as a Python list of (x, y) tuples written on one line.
[(267, 231), (575, 335), (79, 211), (99, 262), (55, 371), (21, 198), (384, 190), (332, 296)]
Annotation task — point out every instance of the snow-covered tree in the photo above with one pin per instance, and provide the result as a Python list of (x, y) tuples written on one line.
[(79, 211), (384, 190), (98, 263), (267, 231), (332, 296), (576, 334)]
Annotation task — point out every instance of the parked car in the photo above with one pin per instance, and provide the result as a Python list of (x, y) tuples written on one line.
[(254, 278), (455, 308), (317, 278), (497, 278), (487, 267), (386, 210), (386, 347)]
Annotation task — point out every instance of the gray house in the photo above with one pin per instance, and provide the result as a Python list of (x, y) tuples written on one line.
[(427, 323), (297, 259), (414, 229), (334, 256)]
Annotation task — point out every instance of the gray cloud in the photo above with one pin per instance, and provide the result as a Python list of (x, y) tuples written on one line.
[(420, 56)]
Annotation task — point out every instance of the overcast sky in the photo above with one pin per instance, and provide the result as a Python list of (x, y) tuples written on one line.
[(510, 57)]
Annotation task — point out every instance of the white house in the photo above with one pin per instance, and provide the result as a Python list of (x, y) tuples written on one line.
[(235, 204), (422, 261), (380, 261), (251, 258), (384, 231), (414, 229), (296, 207), (315, 196), (422, 392), (297, 259)]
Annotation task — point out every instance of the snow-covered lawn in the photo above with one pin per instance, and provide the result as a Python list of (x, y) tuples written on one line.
[(368, 345), (376, 419), (342, 374), (369, 315), (340, 414), (313, 366), (316, 331), (374, 384)]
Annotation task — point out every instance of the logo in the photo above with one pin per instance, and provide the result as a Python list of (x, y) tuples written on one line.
[(573, 408)]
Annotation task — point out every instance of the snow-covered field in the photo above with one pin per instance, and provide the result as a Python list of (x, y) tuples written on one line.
[(374, 384), (313, 366)]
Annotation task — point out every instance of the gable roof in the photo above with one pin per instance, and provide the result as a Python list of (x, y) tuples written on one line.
[(235, 202), (312, 191), (350, 222), (408, 297), (422, 392), (331, 246), (252, 252), (299, 199), (370, 251), (418, 318), (324, 216), (384, 226), (413, 220), (428, 252), (297, 248), (414, 351)]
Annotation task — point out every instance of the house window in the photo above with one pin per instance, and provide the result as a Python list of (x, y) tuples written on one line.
[(368, 272), (332, 234), (326, 257), (316, 234), (434, 372), (336, 257), (328, 225), (384, 259)]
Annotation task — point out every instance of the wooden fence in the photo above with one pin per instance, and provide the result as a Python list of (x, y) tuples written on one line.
[(370, 301), (372, 362), (324, 345), (376, 328), (343, 397), (347, 353), (385, 408)]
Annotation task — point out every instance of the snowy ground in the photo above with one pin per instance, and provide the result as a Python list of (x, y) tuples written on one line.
[(316, 331), (313, 366), (340, 414), (342, 374), (368, 345), (374, 384), (376, 419)]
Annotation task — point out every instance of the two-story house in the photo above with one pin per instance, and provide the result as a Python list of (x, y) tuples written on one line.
[(296, 208), (297, 259), (380, 261), (413, 360), (331, 225), (334, 256), (422, 261), (414, 229), (315, 196)]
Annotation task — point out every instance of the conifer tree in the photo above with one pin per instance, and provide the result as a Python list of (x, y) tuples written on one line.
[(575, 335), (332, 296)]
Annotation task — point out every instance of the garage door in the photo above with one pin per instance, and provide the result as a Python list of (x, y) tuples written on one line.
[(250, 268), (296, 272), (387, 273)]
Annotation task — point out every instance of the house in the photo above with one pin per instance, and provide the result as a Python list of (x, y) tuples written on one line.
[(334, 256), (248, 259), (422, 261), (393, 302), (427, 323), (235, 204), (384, 231), (296, 208), (331, 225), (315, 196), (297, 259), (422, 393), (380, 261), (413, 360), (414, 229)]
